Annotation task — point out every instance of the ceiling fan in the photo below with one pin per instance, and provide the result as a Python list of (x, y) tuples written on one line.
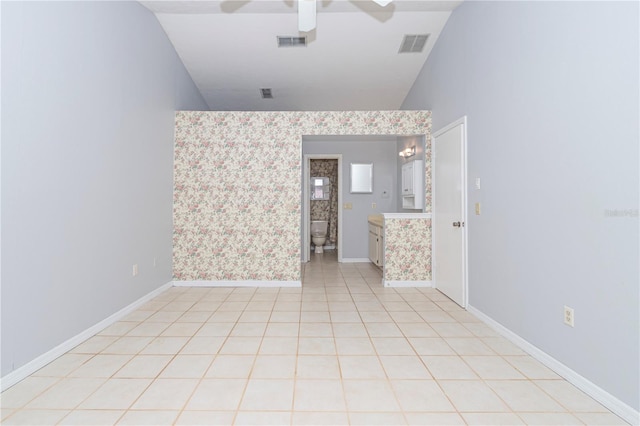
[(307, 13)]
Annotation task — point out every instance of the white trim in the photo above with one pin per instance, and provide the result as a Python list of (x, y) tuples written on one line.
[(406, 215), (465, 220), (408, 284), (240, 283), (306, 208), (34, 365), (356, 260), (629, 414)]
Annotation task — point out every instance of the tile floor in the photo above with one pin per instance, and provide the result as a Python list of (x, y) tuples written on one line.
[(341, 350)]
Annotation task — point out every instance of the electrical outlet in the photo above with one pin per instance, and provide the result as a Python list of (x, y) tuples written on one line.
[(348, 206), (478, 209), (135, 269), (373, 205), (568, 316)]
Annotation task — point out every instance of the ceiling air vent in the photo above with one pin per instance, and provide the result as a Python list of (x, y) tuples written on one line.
[(266, 94), (413, 43), (286, 41)]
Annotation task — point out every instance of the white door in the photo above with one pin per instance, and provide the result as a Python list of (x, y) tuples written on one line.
[(449, 212)]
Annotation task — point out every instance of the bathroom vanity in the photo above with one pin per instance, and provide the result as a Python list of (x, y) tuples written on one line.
[(376, 239)]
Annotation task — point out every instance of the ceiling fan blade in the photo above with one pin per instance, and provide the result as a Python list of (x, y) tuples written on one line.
[(383, 3), (306, 15)]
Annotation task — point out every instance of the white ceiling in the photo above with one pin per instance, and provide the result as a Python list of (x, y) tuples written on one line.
[(351, 61)]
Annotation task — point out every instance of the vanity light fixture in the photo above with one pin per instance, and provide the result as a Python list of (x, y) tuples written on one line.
[(409, 152)]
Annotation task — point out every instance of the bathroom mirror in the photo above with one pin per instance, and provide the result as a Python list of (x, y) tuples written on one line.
[(361, 178)]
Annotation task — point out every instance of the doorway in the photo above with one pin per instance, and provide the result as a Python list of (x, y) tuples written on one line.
[(449, 156), (329, 209)]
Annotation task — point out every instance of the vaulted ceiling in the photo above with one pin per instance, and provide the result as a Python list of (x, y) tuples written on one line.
[(351, 60)]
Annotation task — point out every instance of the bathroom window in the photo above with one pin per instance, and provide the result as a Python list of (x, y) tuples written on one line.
[(320, 188)]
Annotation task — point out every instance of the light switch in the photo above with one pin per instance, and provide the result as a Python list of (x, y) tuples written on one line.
[(477, 183), (477, 208), (373, 205), (348, 206)]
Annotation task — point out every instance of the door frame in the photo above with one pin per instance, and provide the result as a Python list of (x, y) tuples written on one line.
[(306, 203), (465, 234)]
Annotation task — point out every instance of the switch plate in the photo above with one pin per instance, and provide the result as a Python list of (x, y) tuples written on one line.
[(373, 205), (478, 209), (477, 183), (348, 206), (135, 269), (568, 316)]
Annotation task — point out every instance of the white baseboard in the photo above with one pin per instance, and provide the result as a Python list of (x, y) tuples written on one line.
[(245, 283), (408, 283), (32, 366), (629, 414), (356, 260)]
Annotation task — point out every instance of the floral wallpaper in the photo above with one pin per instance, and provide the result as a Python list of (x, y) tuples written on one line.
[(237, 179), (407, 255), (326, 209)]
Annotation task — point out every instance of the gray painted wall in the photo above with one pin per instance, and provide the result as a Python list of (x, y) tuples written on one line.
[(551, 94), (89, 91), (383, 156)]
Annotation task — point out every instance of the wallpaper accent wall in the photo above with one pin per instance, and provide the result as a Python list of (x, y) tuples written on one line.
[(237, 180), (326, 209), (407, 255)]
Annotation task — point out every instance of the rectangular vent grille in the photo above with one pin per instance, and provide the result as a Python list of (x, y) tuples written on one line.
[(285, 41), (413, 43), (266, 94)]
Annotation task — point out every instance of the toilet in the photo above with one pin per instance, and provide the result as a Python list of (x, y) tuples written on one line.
[(319, 234)]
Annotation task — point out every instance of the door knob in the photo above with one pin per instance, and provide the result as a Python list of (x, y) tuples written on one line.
[(456, 224)]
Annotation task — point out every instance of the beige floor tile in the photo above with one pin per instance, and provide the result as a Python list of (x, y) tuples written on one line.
[(224, 316), (603, 419), (361, 367), (231, 366), (217, 394), (284, 316), (279, 346), (354, 346), (406, 317), (448, 367), (66, 394), (21, 393), (523, 395), (430, 346), (570, 396), (383, 329), (318, 367), (450, 329), (195, 316), (404, 367), (469, 346), (249, 329), (144, 366), (376, 316), (421, 419), (492, 419), (101, 366), (149, 417), (35, 417), (274, 367), (417, 329), (348, 329), (128, 345), (164, 316), (94, 345), (148, 329), (352, 317), (165, 346), (316, 329), (276, 329), (276, 395), (382, 419), (179, 329), (316, 346), (63, 365), (116, 394), (119, 328), (492, 368), (550, 419), (275, 418), (92, 417), (187, 366), (370, 395), (502, 346), (319, 395), (201, 418), (319, 418), (531, 368), (255, 317), (421, 395), (472, 396), (313, 316), (166, 394), (215, 329), (392, 346), (202, 346), (241, 346)]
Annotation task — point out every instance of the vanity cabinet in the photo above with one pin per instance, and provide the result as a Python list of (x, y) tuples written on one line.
[(413, 185), (376, 245)]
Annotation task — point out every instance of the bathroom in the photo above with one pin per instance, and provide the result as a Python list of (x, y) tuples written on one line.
[(349, 235)]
